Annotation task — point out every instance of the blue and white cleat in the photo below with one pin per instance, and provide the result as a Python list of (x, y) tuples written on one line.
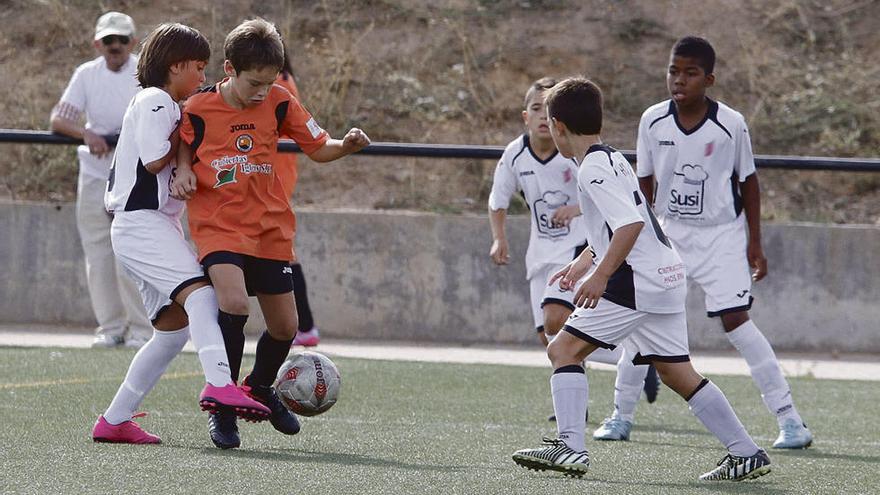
[(613, 429), (793, 435)]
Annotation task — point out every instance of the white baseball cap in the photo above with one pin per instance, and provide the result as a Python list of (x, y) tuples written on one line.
[(114, 23)]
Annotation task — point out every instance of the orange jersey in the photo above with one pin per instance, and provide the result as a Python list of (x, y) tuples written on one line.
[(287, 171), (241, 205)]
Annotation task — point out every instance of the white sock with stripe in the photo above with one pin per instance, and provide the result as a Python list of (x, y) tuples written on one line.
[(144, 372), (571, 392), (711, 407), (628, 387), (765, 370), (202, 310)]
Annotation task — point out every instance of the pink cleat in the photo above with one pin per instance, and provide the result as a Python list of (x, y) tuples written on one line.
[(212, 399), (309, 338), (125, 432)]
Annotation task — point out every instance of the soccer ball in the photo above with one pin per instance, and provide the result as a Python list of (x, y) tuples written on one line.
[(308, 383)]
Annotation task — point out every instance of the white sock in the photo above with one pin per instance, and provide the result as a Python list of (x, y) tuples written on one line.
[(202, 309), (570, 395), (607, 356), (628, 387), (144, 372), (711, 407), (766, 373)]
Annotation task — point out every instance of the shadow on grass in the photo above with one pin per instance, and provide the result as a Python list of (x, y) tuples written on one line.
[(308, 456), (763, 486), (813, 453)]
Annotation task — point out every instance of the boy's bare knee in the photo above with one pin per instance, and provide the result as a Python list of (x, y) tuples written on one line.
[(555, 316), (171, 318), (559, 353), (283, 332), (235, 304)]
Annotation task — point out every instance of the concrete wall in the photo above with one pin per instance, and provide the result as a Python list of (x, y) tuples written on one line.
[(425, 277)]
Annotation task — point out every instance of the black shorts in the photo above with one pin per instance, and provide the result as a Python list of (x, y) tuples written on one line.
[(261, 276)]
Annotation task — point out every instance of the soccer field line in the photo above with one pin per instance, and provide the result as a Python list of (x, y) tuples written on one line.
[(86, 381)]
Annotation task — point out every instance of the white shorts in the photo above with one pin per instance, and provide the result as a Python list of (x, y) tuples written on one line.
[(715, 258), (151, 247), (541, 293), (650, 336)]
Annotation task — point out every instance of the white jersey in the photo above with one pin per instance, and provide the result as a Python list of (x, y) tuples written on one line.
[(103, 95), (545, 185), (149, 121), (697, 172), (652, 278)]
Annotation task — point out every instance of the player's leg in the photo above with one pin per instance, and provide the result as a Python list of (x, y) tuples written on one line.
[(152, 359), (226, 271), (662, 338), (307, 332), (93, 224), (274, 290), (728, 288), (537, 287), (627, 390)]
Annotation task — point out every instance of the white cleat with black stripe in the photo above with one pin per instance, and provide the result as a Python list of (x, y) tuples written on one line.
[(735, 468), (554, 456)]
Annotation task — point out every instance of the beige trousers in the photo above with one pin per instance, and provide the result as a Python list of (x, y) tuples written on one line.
[(115, 299)]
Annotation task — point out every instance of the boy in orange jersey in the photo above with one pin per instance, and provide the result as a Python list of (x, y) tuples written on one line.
[(240, 217), (307, 333)]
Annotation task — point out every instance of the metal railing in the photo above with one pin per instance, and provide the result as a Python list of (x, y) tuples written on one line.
[(485, 152)]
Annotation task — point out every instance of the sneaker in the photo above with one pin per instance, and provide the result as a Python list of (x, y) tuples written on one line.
[(652, 384), (125, 432), (212, 399), (224, 429), (793, 435), (735, 468), (136, 342), (309, 338), (613, 429), (282, 419), (107, 341), (555, 456), (552, 417)]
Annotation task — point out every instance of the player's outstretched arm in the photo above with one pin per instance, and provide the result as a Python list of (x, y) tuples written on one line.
[(500, 251), (751, 195), (573, 271), (354, 140), (622, 242)]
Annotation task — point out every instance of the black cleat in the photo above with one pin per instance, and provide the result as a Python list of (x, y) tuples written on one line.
[(652, 384), (281, 418), (224, 429)]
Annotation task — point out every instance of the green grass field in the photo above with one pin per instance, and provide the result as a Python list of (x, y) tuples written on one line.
[(403, 427)]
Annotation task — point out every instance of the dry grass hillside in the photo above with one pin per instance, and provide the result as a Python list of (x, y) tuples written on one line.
[(804, 73)]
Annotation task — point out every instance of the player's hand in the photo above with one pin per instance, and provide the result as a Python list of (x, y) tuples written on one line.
[(590, 291), (757, 261), (355, 140), (500, 252), (183, 185), (97, 144), (563, 215), (569, 275)]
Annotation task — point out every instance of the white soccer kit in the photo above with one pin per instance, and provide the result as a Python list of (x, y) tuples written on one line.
[(146, 233), (545, 186), (697, 199), (644, 299)]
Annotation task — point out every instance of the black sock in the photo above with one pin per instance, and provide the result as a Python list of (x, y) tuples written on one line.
[(271, 354), (232, 328), (306, 322)]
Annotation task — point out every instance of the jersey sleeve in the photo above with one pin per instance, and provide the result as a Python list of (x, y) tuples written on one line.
[(153, 128), (644, 160), (615, 202), (744, 161), (300, 126), (503, 185), (73, 101)]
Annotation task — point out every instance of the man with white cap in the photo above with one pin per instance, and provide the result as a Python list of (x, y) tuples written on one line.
[(100, 91)]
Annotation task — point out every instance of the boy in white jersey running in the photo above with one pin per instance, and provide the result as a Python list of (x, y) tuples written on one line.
[(635, 293), (532, 166), (697, 152), (148, 239)]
